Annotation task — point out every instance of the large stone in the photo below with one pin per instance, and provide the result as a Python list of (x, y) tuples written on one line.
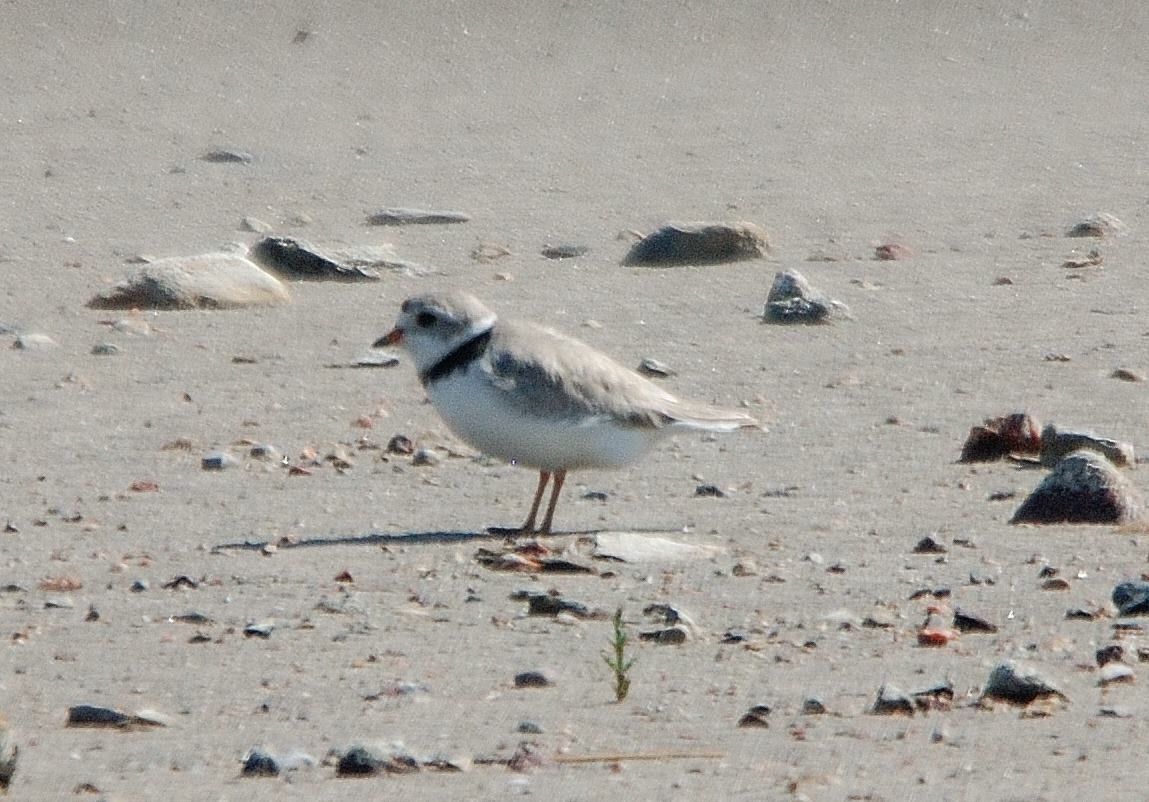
[(1018, 684), (1084, 487), (297, 258), (206, 281), (699, 244), (793, 300)]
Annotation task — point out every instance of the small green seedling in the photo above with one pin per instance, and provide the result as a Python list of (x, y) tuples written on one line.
[(617, 660)]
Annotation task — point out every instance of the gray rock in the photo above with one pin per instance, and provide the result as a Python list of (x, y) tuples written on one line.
[(1132, 598), (299, 259), (1098, 225), (105, 349), (265, 452), (217, 461), (260, 762), (699, 244), (206, 281), (652, 367), (564, 251), (1055, 444), (813, 706), (259, 629), (793, 300), (368, 759), (426, 458), (228, 156), (1017, 684), (1083, 487), (893, 701), (968, 623), (532, 679), (95, 716), (408, 217)]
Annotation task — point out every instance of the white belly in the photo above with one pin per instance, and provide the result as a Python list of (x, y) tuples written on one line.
[(476, 413)]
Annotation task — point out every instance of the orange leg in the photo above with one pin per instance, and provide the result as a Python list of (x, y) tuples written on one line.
[(529, 526), (560, 477)]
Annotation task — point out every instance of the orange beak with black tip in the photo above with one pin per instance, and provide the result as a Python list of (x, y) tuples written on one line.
[(393, 337)]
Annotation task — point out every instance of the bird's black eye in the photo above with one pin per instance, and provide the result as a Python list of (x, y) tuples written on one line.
[(424, 320)]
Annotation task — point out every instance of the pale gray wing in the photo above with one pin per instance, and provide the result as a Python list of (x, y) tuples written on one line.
[(546, 374)]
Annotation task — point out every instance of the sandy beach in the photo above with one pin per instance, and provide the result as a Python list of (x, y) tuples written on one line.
[(971, 136)]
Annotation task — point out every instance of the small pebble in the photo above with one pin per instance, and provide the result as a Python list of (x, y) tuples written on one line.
[(225, 156), (745, 568), (1115, 673), (259, 630), (893, 701), (426, 457), (105, 349), (401, 444), (967, 622), (265, 453), (652, 367), (813, 706), (927, 545), (258, 763), (531, 679), (1131, 598), (672, 636), (217, 461), (565, 251), (755, 717)]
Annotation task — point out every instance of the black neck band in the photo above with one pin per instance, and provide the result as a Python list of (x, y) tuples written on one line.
[(457, 359)]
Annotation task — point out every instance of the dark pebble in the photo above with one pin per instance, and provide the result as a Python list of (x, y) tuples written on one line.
[(927, 545), (224, 156), (755, 717), (531, 679), (967, 623), (1131, 598)]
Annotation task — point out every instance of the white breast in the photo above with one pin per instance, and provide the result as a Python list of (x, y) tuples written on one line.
[(477, 413)]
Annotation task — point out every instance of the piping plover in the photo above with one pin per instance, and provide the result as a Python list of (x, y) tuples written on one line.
[(535, 397)]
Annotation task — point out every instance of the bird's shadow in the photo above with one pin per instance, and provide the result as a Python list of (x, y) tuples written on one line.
[(394, 538)]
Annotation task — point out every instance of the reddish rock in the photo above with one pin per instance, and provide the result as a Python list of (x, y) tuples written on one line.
[(1000, 437)]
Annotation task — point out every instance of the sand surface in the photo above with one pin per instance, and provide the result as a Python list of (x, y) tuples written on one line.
[(975, 134)]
